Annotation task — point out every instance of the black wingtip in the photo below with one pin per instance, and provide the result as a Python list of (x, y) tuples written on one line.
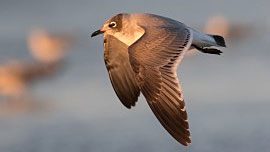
[(219, 40)]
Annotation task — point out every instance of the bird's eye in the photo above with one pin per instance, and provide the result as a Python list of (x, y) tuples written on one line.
[(112, 24)]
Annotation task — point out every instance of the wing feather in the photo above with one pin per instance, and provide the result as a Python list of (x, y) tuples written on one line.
[(120, 72), (154, 59)]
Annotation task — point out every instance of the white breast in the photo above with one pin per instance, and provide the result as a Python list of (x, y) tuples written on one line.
[(128, 38), (129, 33)]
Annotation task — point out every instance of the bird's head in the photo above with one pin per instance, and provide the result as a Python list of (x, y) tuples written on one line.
[(111, 26), (122, 26)]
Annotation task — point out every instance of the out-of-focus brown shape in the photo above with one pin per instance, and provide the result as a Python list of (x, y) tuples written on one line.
[(14, 80), (48, 48), (18, 106), (15, 76), (48, 51), (219, 25)]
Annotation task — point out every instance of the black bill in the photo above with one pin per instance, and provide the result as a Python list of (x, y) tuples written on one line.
[(96, 33)]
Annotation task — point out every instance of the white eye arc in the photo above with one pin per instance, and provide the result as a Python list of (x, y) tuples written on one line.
[(112, 24)]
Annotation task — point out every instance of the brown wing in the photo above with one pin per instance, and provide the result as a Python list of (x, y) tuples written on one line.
[(121, 74), (154, 58)]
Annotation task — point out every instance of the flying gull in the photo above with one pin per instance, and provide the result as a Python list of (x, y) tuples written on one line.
[(142, 53)]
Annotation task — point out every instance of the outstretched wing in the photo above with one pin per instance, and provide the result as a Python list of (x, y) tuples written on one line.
[(121, 74), (154, 59)]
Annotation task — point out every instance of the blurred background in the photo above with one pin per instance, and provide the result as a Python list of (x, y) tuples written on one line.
[(55, 94)]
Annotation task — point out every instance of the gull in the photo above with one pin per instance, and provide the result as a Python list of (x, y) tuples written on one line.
[(142, 53)]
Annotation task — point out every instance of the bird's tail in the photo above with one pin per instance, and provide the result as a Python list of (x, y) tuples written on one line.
[(218, 39), (206, 42)]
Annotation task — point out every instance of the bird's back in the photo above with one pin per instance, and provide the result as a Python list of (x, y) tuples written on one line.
[(145, 19)]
